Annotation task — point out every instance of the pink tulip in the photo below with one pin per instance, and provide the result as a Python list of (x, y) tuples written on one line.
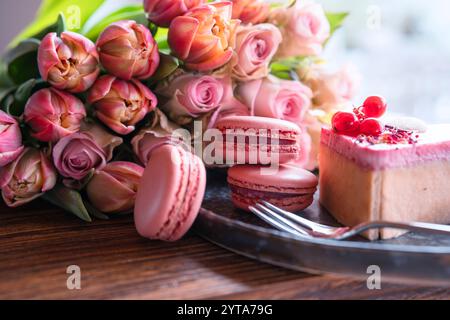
[(204, 37), (28, 177), (162, 12), (53, 114), (160, 131), (255, 47), (10, 139), (68, 62), (77, 155), (121, 180), (251, 11), (120, 104), (127, 50), (190, 95), (304, 26), (275, 98)]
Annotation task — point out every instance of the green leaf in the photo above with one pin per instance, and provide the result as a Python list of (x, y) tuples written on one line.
[(127, 12), (336, 20), (21, 96), (61, 25), (69, 200), (94, 212), (167, 66), (21, 61), (76, 12), (161, 39)]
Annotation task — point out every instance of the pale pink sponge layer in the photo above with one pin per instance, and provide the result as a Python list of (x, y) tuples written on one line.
[(289, 187), (402, 182), (170, 193)]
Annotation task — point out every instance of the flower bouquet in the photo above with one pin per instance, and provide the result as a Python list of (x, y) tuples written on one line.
[(86, 100)]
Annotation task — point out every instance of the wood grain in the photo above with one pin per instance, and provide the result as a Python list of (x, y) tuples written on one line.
[(38, 242)]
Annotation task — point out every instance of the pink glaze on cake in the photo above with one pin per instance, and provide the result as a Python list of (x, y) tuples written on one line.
[(275, 139), (434, 144), (290, 187), (170, 193)]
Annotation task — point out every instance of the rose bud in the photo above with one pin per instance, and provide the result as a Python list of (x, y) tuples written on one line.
[(162, 12), (251, 11), (275, 98), (10, 139), (159, 131), (190, 95), (28, 177), (120, 104), (68, 62), (77, 155), (53, 114), (204, 37), (255, 47), (304, 27), (333, 89), (121, 180), (127, 50)]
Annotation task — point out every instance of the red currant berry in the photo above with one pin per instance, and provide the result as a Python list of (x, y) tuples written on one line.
[(371, 127), (345, 123), (374, 107)]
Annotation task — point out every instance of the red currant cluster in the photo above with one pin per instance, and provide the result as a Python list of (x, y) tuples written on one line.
[(363, 120)]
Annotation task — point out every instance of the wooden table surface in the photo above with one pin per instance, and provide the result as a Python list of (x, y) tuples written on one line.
[(38, 242)]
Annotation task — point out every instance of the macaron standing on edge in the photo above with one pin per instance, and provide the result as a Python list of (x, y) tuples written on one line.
[(291, 188), (170, 193)]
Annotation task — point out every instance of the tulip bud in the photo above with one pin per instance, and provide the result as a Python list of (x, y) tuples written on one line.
[(28, 177), (128, 50), (251, 11), (68, 62), (162, 12), (10, 139), (204, 37), (121, 180), (120, 104), (53, 114)]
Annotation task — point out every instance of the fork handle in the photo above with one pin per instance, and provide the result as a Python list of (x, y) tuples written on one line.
[(421, 227)]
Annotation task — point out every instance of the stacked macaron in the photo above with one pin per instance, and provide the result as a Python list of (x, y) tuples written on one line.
[(260, 150)]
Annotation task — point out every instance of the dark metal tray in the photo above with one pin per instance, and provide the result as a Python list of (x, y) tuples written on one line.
[(410, 258)]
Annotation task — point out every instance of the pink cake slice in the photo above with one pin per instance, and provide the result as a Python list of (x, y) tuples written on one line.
[(361, 181)]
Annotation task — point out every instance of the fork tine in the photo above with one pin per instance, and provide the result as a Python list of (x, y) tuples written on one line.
[(275, 223), (314, 226), (281, 219)]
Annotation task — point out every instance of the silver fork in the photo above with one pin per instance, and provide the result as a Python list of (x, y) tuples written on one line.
[(299, 226)]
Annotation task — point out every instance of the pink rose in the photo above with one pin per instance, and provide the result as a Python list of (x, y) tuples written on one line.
[(191, 95), (10, 139), (128, 50), (121, 104), (53, 114), (255, 47), (305, 29), (68, 62), (162, 12), (77, 155), (160, 131), (251, 11), (204, 37), (121, 180), (27, 178), (333, 89), (275, 98)]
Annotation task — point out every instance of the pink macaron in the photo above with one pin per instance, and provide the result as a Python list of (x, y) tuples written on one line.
[(290, 187), (170, 193), (257, 140)]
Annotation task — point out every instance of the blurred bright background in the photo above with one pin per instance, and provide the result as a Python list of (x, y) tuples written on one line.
[(401, 47)]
